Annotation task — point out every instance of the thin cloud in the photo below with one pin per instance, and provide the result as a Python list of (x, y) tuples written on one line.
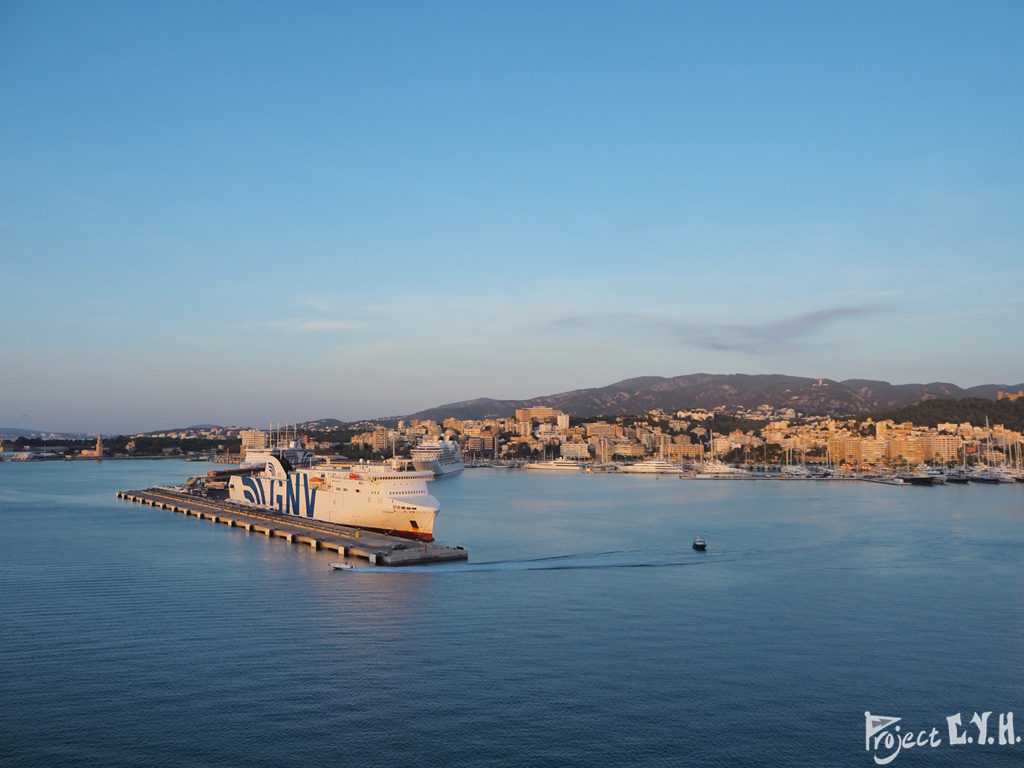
[(736, 337), (770, 336), (295, 326), (324, 304), (812, 320)]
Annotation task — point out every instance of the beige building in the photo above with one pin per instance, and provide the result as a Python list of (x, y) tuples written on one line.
[(576, 451), (908, 450), (941, 448), (603, 429), (628, 450), (252, 438), (98, 452), (537, 412), (691, 451)]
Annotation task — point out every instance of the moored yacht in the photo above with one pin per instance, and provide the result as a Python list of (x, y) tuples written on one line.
[(917, 477), (719, 470), (556, 465), (991, 475), (652, 467)]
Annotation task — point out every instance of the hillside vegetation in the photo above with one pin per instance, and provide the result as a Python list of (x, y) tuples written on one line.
[(930, 413)]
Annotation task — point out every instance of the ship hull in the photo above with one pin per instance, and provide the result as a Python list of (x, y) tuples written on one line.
[(440, 469)]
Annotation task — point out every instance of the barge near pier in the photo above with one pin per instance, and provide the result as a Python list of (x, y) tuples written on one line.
[(377, 548)]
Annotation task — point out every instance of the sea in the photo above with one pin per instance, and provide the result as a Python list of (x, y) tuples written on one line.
[(829, 623)]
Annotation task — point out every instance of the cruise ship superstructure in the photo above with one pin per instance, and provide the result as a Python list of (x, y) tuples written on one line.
[(376, 497), (442, 457)]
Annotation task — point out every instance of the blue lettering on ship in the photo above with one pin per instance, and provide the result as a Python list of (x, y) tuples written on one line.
[(293, 497), (252, 491)]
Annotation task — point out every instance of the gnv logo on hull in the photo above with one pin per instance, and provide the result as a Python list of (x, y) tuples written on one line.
[(286, 496)]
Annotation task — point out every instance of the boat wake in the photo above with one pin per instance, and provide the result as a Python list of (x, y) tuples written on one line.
[(581, 561)]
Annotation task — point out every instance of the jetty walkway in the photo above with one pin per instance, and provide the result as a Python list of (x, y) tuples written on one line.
[(377, 548)]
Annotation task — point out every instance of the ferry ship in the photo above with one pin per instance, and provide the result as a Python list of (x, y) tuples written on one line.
[(376, 497), (442, 457)]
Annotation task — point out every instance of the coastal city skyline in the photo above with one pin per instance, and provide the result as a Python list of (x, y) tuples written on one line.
[(251, 214)]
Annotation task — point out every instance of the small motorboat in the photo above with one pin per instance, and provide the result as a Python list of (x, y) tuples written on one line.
[(342, 566), (699, 544)]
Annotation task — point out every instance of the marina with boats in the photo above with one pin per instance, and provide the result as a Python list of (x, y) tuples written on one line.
[(716, 470)]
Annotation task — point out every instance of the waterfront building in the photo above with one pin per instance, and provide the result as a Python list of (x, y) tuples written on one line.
[(576, 451), (628, 450), (905, 450), (482, 444), (941, 448), (691, 451), (98, 451)]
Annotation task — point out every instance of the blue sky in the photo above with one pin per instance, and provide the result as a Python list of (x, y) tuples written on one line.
[(245, 213)]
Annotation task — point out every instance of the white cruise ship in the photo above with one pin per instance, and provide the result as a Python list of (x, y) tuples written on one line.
[(376, 497), (442, 457)]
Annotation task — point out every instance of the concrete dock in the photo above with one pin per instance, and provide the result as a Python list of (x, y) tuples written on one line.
[(377, 548)]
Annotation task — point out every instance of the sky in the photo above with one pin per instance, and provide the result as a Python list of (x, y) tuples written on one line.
[(250, 213)]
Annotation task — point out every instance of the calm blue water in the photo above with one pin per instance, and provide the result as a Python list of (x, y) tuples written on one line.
[(583, 632)]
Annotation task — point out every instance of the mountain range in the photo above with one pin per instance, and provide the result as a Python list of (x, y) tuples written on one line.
[(806, 396), (810, 397)]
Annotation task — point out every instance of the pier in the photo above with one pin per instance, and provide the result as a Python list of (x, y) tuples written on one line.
[(377, 548)]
